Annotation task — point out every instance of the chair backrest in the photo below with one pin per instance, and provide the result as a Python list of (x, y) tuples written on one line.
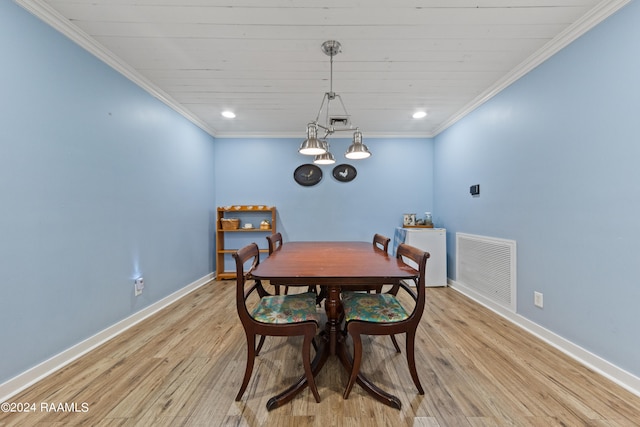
[(248, 254), (381, 242), (420, 258), (275, 242)]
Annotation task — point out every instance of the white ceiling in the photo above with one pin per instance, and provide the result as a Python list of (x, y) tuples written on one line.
[(262, 58)]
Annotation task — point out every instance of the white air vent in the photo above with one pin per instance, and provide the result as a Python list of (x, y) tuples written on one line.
[(487, 266)]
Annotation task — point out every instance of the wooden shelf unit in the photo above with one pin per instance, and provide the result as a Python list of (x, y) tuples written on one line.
[(247, 213)]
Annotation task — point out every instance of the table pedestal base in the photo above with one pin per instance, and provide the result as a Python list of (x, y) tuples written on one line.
[(333, 343)]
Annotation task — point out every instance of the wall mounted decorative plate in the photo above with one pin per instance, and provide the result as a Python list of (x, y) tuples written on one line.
[(307, 175), (344, 173)]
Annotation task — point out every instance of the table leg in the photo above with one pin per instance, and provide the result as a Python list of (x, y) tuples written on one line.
[(333, 308)]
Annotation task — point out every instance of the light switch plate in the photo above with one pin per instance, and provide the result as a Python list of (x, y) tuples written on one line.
[(538, 299)]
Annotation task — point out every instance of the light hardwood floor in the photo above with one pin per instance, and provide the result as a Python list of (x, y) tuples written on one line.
[(183, 366)]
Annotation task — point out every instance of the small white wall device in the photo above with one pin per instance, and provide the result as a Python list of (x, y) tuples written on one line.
[(138, 286)]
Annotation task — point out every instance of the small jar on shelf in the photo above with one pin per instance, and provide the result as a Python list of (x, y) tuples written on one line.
[(428, 220)]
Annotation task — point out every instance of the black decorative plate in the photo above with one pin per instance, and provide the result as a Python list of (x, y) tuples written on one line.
[(344, 173), (307, 175)]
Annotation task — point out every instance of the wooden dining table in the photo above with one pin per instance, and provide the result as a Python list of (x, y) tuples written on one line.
[(335, 266)]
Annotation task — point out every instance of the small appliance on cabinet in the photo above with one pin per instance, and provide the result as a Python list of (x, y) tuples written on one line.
[(432, 240)]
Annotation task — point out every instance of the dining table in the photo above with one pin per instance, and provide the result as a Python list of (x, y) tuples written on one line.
[(335, 267)]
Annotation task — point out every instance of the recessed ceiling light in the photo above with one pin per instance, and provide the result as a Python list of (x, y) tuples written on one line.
[(419, 114), (229, 114)]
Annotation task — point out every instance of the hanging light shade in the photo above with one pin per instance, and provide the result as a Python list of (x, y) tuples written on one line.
[(326, 158), (357, 150), (312, 146)]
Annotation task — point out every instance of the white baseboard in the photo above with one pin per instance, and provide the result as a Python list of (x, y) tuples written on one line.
[(22, 381), (621, 377)]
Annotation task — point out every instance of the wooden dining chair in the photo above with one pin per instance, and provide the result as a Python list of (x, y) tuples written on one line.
[(272, 315), (381, 242), (382, 314), (275, 243)]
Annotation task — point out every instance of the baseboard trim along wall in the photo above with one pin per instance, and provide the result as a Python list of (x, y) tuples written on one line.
[(22, 381), (621, 377)]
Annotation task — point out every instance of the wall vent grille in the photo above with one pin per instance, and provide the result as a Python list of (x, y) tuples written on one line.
[(487, 266)]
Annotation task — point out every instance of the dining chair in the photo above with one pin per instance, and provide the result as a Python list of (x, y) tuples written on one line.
[(380, 242), (383, 314), (272, 315), (275, 243)]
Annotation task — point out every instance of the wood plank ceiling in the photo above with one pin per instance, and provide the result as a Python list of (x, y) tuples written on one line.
[(262, 58)]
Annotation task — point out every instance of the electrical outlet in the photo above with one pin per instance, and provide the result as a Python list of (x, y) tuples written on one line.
[(538, 299), (138, 286)]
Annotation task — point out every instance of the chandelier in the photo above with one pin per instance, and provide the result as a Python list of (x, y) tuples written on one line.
[(331, 122)]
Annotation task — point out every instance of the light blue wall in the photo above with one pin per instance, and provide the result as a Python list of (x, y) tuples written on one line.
[(99, 182), (556, 156), (397, 178)]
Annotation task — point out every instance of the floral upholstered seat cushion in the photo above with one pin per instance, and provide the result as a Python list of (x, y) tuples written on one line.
[(282, 309), (379, 308)]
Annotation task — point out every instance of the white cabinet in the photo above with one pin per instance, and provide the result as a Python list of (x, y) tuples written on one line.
[(432, 240)]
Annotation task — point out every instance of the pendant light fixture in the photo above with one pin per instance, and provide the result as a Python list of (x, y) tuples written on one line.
[(312, 145), (331, 122), (357, 150), (326, 158)]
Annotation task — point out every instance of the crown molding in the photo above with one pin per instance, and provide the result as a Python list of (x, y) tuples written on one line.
[(596, 15), (50, 16), (298, 135)]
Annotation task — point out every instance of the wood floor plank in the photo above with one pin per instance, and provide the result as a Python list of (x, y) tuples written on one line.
[(183, 367)]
